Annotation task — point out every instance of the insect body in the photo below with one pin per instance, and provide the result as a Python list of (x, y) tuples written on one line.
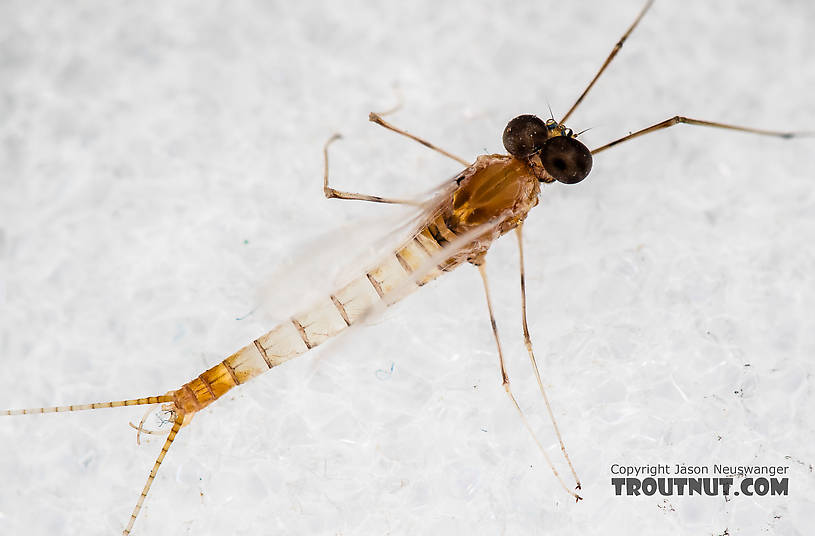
[(497, 191), (491, 197)]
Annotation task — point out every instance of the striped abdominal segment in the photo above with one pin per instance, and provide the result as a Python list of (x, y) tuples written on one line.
[(394, 277)]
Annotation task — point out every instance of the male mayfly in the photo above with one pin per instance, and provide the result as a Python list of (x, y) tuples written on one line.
[(489, 198)]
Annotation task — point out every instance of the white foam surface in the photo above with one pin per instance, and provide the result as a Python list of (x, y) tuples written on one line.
[(160, 163)]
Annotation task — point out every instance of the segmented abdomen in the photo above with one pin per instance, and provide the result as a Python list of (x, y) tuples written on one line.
[(397, 275)]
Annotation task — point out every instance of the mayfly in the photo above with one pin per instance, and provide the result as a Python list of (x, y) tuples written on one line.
[(489, 198)]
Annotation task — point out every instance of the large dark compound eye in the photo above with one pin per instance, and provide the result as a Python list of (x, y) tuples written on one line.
[(524, 135), (566, 159)]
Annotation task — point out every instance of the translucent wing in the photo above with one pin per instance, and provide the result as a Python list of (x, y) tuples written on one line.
[(323, 263)]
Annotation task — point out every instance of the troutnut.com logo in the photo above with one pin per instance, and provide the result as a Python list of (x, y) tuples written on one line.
[(682, 479)]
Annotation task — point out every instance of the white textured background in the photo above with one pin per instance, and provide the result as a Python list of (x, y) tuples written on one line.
[(160, 163)]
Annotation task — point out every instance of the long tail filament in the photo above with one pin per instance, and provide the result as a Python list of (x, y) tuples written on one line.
[(97, 405)]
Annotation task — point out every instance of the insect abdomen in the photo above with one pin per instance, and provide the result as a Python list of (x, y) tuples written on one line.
[(397, 275)]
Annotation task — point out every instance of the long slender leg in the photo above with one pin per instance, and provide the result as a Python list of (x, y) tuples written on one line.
[(677, 119), (400, 101), (331, 193), (377, 118), (610, 57), (179, 421), (508, 389), (374, 117), (528, 343)]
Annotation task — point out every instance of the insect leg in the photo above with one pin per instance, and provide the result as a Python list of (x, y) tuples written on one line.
[(377, 118), (507, 388), (331, 193), (528, 343), (179, 421), (677, 119), (610, 57)]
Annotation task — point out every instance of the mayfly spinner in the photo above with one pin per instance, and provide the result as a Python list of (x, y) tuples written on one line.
[(489, 198)]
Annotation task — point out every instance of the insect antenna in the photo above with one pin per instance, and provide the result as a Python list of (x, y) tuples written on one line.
[(582, 132), (96, 405)]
